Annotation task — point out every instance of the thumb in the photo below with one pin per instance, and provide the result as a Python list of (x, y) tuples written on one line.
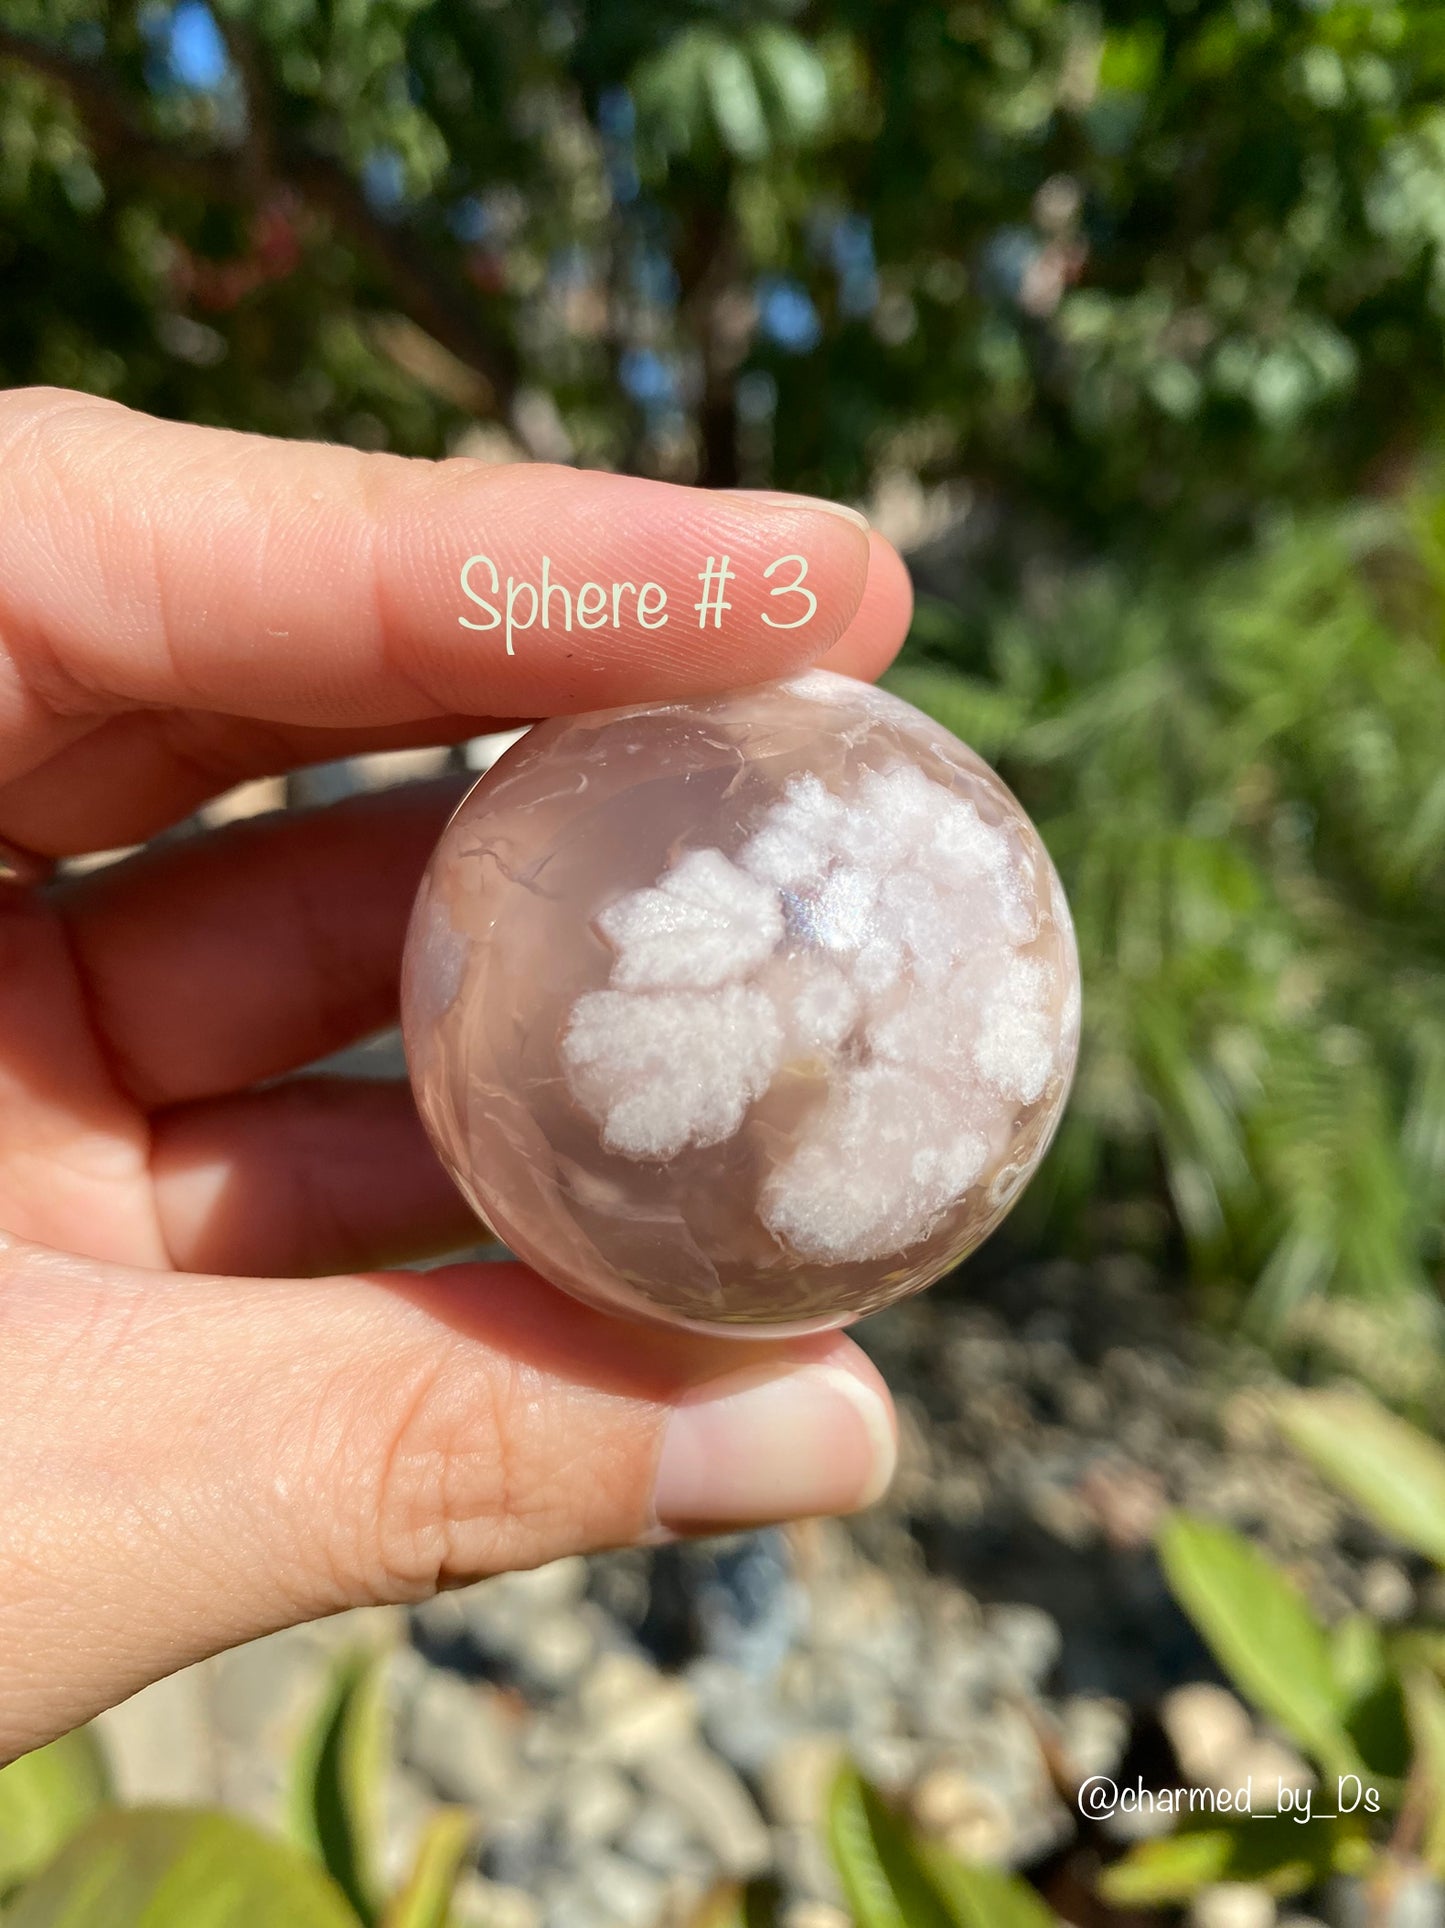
[(191, 1462)]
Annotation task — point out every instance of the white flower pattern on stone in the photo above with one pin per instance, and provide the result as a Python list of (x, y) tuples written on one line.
[(705, 924), (664, 1070), (877, 934)]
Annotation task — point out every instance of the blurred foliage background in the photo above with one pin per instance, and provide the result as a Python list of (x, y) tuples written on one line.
[(1140, 307)]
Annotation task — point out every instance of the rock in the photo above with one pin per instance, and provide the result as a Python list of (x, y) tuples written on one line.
[(1093, 1734), (1027, 1641), (750, 1610), (407, 1805), (479, 1903), (624, 1584), (560, 1583), (620, 1893), (499, 1614), (548, 1741), (253, 1786), (720, 1809), (1249, 1420), (407, 1672), (892, 1760), (814, 1914), (1432, 1597), (805, 1867), (457, 1734), (796, 1780), (1040, 1831), (660, 1838), (1385, 1591), (1061, 1512), (1232, 1904), (956, 1683), (1210, 1732), (267, 1688), (1125, 1501), (160, 1744), (843, 1688), (596, 1802), (742, 1717), (442, 1620), (1414, 1902), (556, 1650), (970, 1819), (1085, 1403), (628, 1710), (516, 1849), (1268, 1764)]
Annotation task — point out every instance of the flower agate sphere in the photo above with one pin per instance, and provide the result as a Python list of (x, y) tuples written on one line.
[(752, 1012)]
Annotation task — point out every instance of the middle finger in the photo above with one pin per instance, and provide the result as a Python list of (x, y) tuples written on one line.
[(214, 963)]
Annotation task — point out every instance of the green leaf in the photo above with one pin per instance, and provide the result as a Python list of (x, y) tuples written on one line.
[(979, 1897), (1425, 1700), (425, 1901), (1411, 1648), (1379, 1728), (337, 1778), (1390, 1469), (1357, 1654), (894, 1877), (737, 1904), (178, 1868), (1369, 1683), (1262, 1632), (732, 93), (789, 70), (1273, 1852), (988, 718), (881, 1879), (1174, 1867), (44, 1798)]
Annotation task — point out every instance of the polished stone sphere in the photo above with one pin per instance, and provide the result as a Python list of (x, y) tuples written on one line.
[(753, 1012)]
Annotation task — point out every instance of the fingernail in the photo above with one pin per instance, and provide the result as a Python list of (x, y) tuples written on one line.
[(765, 1445), (780, 499)]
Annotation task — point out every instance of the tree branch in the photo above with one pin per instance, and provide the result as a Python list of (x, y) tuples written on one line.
[(438, 302), (706, 276), (430, 297), (115, 137)]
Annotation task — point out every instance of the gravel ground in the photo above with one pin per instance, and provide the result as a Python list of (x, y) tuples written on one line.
[(632, 1728)]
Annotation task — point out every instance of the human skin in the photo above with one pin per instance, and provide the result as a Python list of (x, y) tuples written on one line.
[(218, 1418)]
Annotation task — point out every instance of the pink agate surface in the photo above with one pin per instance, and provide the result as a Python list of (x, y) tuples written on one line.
[(754, 1012)]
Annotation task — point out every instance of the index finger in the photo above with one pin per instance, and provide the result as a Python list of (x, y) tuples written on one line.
[(153, 565)]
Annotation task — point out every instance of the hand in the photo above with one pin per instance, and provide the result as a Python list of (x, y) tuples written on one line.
[(216, 1422)]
